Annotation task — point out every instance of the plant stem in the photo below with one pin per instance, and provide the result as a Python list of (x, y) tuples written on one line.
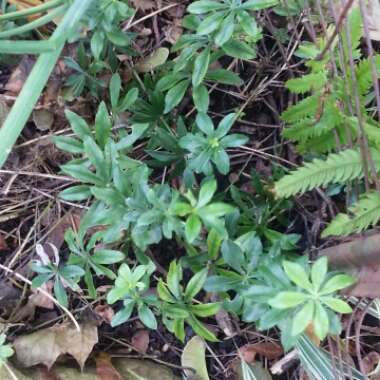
[(34, 24), (26, 47), (31, 11), (37, 80)]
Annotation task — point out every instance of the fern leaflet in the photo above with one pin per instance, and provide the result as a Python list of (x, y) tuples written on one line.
[(365, 213), (337, 168)]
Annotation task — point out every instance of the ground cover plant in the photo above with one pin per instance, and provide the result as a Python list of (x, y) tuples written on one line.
[(170, 174)]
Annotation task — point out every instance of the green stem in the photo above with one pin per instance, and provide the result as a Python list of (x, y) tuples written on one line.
[(31, 11), (34, 24), (27, 47), (37, 80)]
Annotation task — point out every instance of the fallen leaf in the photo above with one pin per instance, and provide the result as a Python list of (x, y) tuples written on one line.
[(3, 243), (45, 346), (129, 369), (140, 341), (105, 312), (39, 299), (4, 111), (104, 368), (19, 75), (43, 119), (143, 5), (194, 356), (156, 59), (270, 350), (370, 362)]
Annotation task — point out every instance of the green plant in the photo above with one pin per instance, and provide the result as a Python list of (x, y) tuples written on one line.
[(202, 211), (6, 350), (63, 275), (315, 294), (178, 305), (210, 145), (90, 258), (326, 117), (217, 28), (131, 286)]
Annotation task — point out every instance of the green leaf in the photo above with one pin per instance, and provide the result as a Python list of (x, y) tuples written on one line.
[(204, 123), (337, 305), (298, 275), (102, 125), (215, 210), (60, 293), (164, 293), (192, 228), (318, 272), (214, 242), (225, 125), (222, 161), (226, 30), (206, 193), (97, 44), (320, 322), (107, 256), (210, 23), (147, 317), (115, 86), (182, 209), (285, 300), (175, 95), (239, 49), (255, 5), (201, 98), (224, 77), (195, 284), (303, 318), (204, 6), (194, 356), (68, 144), (76, 193), (338, 282), (124, 314), (200, 329), (82, 173), (78, 124), (205, 310), (118, 38), (173, 279), (200, 67), (249, 24)]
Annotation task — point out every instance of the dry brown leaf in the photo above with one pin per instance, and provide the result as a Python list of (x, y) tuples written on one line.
[(19, 75), (38, 299), (105, 312), (43, 119), (270, 350), (45, 346), (3, 243), (104, 368), (140, 341), (143, 5), (157, 58)]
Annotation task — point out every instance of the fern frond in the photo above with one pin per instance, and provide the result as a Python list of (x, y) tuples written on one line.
[(356, 32), (305, 108), (364, 73), (337, 168), (365, 213), (306, 83)]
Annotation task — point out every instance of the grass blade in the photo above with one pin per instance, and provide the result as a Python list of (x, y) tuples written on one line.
[(37, 80), (318, 363)]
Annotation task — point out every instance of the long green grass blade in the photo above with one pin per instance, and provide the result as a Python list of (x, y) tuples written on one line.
[(31, 11), (27, 47), (37, 80), (318, 363), (33, 24)]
